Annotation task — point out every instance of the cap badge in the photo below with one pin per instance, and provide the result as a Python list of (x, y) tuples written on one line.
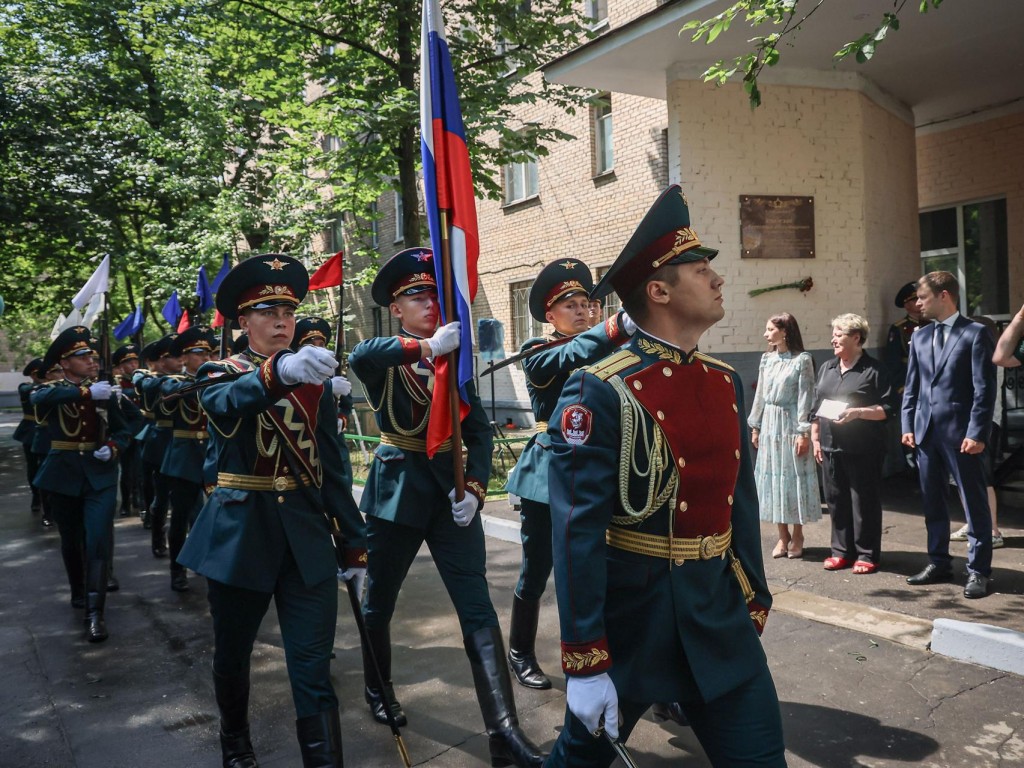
[(276, 264), (568, 264)]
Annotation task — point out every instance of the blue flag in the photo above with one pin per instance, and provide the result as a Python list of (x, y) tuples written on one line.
[(203, 291), (225, 267), (172, 310), (131, 325)]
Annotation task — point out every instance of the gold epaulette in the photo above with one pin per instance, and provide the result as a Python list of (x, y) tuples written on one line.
[(611, 365), (713, 361)]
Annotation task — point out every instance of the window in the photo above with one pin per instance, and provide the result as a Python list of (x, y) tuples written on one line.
[(523, 325), (970, 241), (604, 159), (336, 234), (374, 226), (330, 144), (378, 321), (596, 11), (506, 45), (399, 218), (612, 303), (521, 181)]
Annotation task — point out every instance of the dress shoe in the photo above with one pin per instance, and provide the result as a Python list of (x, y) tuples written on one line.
[(179, 581), (46, 521), (932, 574), (113, 584), (977, 586), (159, 551)]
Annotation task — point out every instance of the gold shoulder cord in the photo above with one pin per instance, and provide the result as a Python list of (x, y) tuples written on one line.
[(659, 460), (389, 386)]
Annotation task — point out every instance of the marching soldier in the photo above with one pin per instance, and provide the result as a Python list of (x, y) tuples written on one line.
[(264, 532), (27, 426), (80, 471), (40, 447), (186, 454), (657, 547), (559, 296), (409, 499), (125, 360)]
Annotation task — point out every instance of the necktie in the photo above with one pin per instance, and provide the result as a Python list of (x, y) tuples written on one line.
[(940, 338)]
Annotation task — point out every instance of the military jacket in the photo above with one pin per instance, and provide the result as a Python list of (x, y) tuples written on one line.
[(72, 421), (158, 433), (27, 426), (897, 350), (258, 512), (650, 442), (190, 439), (399, 387), (546, 374)]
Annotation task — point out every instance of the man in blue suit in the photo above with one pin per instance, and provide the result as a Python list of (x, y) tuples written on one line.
[(948, 406)]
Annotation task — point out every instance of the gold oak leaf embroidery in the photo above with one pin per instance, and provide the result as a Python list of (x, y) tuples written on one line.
[(576, 661), (660, 351)]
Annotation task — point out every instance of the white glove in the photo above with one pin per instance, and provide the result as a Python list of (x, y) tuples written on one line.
[(116, 391), (103, 454), (445, 339), (355, 578), (588, 698), (101, 390), (463, 511), (627, 324), (310, 365), (341, 386)]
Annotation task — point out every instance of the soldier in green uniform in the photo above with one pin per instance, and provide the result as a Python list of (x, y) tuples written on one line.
[(125, 360), (897, 343), (80, 471), (409, 499), (26, 428), (558, 296), (657, 548), (40, 447), (264, 533)]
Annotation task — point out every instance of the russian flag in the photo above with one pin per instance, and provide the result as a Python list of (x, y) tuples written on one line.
[(449, 186)]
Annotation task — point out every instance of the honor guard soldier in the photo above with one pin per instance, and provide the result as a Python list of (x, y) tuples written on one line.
[(80, 471), (657, 547), (26, 428), (40, 445), (316, 331), (559, 296), (186, 454), (409, 499), (897, 344), (264, 533), (125, 360)]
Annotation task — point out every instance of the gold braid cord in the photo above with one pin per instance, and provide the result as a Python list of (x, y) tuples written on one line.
[(662, 479)]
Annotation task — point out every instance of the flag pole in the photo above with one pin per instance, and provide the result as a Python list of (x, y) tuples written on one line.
[(453, 362)]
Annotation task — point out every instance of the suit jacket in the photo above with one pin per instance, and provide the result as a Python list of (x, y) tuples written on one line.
[(660, 431), (953, 397), (399, 387), (546, 374)]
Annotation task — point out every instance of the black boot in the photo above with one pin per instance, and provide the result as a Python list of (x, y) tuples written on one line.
[(320, 740), (179, 578), (380, 641), (74, 564), (95, 600), (508, 744), (521, 640), (233, 702), (37, 503), (674, 711)]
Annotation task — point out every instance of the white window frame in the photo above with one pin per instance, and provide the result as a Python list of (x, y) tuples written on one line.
[(399, 218), (521, 181), (522, 322), (604, 134)]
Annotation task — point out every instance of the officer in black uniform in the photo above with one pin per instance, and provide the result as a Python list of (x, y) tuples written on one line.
[(23, 433)]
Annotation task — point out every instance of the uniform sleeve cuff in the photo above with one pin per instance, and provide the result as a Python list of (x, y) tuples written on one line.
[(85, 392), (354, 557), (270, 378), (477, 488), (411, 350), (586, 659), (758, 615), (613, 327)]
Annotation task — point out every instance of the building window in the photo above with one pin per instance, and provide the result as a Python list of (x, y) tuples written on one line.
[(336, 234), (521, 181), (610, 303), (330, 144), (399, 218), (971, 242), (523, 325), (604, 157), (378, 321), (596, 11), (374, 226)]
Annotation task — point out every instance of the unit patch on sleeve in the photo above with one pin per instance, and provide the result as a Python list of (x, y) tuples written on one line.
[(577, 421)]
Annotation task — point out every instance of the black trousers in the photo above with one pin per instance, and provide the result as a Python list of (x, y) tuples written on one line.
[(186, 500), (852, 483)]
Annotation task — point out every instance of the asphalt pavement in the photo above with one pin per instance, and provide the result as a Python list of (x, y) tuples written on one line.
[(857, 682)]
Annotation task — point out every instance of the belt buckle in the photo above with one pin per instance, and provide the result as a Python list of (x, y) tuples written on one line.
[(707, 547), (280, 483)]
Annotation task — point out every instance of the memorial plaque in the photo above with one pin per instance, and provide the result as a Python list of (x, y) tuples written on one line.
[(776, 227)]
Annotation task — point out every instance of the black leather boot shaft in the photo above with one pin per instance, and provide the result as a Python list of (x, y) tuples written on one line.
[(232, 694), (74, 564), (522, 639), (508, 744), (380, 642), (95, 601), (320, 740)]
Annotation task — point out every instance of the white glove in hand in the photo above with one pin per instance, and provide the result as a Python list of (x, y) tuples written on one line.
[(341, 386), (101, 390), (463, 511), (138, 376), (445, 339), (355, 578), (627, 324), (310, 365), (588, 698), (103, 454)]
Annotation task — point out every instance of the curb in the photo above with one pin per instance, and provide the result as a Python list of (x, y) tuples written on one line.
[(984, 644)]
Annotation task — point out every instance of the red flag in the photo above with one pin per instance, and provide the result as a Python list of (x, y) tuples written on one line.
[(329, 274), (184, 323), (218, 319)]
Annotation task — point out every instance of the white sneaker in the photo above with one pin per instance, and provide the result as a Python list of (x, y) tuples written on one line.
[(960, 535), (997, 540)]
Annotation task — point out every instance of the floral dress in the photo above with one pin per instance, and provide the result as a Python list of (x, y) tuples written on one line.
[(787, 484)]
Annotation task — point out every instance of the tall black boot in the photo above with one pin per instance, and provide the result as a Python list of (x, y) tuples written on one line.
[(320, 740), (74, 564), (380, 641), (95, 600), (522, 637), (233, 702), (508, 744)]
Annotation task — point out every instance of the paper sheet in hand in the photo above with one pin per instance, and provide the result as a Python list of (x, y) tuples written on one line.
[(831, 409)]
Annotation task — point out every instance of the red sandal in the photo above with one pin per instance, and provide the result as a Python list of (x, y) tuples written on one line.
[(836, 563), (864, 567)]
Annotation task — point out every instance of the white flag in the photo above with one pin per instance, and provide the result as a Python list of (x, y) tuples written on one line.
[(58, 326), (75, 318), (98, 283), (93, 310)]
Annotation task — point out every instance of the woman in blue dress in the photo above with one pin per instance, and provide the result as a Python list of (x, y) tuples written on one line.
[(780, 428)]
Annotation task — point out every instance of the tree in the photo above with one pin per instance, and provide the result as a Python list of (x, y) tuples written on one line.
[(784, 14)]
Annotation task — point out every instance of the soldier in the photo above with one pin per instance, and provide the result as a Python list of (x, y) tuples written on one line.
[(897, 344), (125, 360), (657, 547), (185, 458), (40, 447), (409, 499), (264, 532), (80, 471), (558, 296), (27, 426)]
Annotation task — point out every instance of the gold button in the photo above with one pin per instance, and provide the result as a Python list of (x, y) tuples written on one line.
[(280, 483), (661, 415), (280, 499), (682, 463), (667, 371), (285, 469), (704, 367), (683, 506), (737, 410), (730, 499), (737, 453), (637, 385), (680, 561), (726, 377)]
